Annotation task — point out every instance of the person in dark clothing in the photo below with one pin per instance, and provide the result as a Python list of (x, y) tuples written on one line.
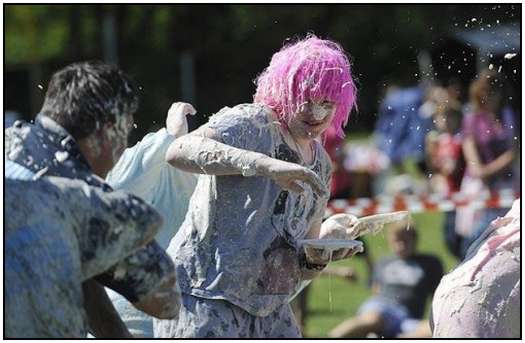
[(401, 283)]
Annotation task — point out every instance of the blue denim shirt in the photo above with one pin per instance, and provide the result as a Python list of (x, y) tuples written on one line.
[(47, 149), (59, 233)]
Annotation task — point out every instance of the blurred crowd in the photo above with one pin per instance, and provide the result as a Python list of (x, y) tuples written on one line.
[(436, 139)]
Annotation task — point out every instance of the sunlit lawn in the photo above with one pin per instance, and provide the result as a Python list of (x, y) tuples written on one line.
[(347, 296)]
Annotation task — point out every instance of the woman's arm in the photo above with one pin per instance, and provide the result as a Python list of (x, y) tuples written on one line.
[(203, 152), (472, 156), (500, 163), (479, 169)]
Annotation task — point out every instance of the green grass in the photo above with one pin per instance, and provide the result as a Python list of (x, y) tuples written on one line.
[(347, 296)]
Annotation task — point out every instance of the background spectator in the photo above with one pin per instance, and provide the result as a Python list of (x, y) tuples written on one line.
[(488, 135), (402, 283), (445, 157)]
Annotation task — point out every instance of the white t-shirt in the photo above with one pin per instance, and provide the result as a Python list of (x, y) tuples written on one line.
[(143, 171)]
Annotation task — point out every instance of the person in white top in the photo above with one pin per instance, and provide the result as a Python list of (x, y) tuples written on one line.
[(142, 170)]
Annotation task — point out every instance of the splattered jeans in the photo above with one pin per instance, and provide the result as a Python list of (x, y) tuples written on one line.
[(211, 318)]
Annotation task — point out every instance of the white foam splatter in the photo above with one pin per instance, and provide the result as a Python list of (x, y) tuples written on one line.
[(39, 174), (248, 201), (61, 156), (509, 55), (64, 141), (120, 272)]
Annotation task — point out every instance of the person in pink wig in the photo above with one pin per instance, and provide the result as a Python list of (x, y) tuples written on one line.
[(262, 189)]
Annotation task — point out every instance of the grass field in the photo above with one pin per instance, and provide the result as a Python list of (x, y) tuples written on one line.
[(347, 296)]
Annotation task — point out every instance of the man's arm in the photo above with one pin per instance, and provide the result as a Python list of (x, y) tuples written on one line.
[(163, 302), (477, 168), (103, 319), (500, 163)]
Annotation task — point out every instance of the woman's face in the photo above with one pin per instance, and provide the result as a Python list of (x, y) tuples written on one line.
[(312, 120)]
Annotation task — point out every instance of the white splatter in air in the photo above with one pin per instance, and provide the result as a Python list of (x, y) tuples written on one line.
[(120, 272), (509, 55)]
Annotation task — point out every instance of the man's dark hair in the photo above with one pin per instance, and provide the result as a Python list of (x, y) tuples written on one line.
[(404, 228), (84, 96)]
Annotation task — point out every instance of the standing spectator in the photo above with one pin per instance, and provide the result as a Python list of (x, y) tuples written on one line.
[(401, 284), (445, 158), (488, 134), (401, 126)]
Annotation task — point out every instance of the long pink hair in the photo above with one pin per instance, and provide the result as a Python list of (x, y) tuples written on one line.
[(311, 69)]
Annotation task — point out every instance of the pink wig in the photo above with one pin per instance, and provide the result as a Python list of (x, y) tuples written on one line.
[(311, 69)]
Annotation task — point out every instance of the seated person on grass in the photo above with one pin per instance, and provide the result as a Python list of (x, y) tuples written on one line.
[(401, 284)]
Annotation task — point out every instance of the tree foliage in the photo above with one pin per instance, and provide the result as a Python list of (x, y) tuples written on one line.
[(232, 43)]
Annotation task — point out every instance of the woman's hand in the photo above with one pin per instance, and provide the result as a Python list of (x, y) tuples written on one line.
[(338, 226), (289, 176)]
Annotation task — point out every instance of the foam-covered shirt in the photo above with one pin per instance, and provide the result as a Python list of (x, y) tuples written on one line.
[(47, 149), (481, 298), (59, 233), (239, 241)]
